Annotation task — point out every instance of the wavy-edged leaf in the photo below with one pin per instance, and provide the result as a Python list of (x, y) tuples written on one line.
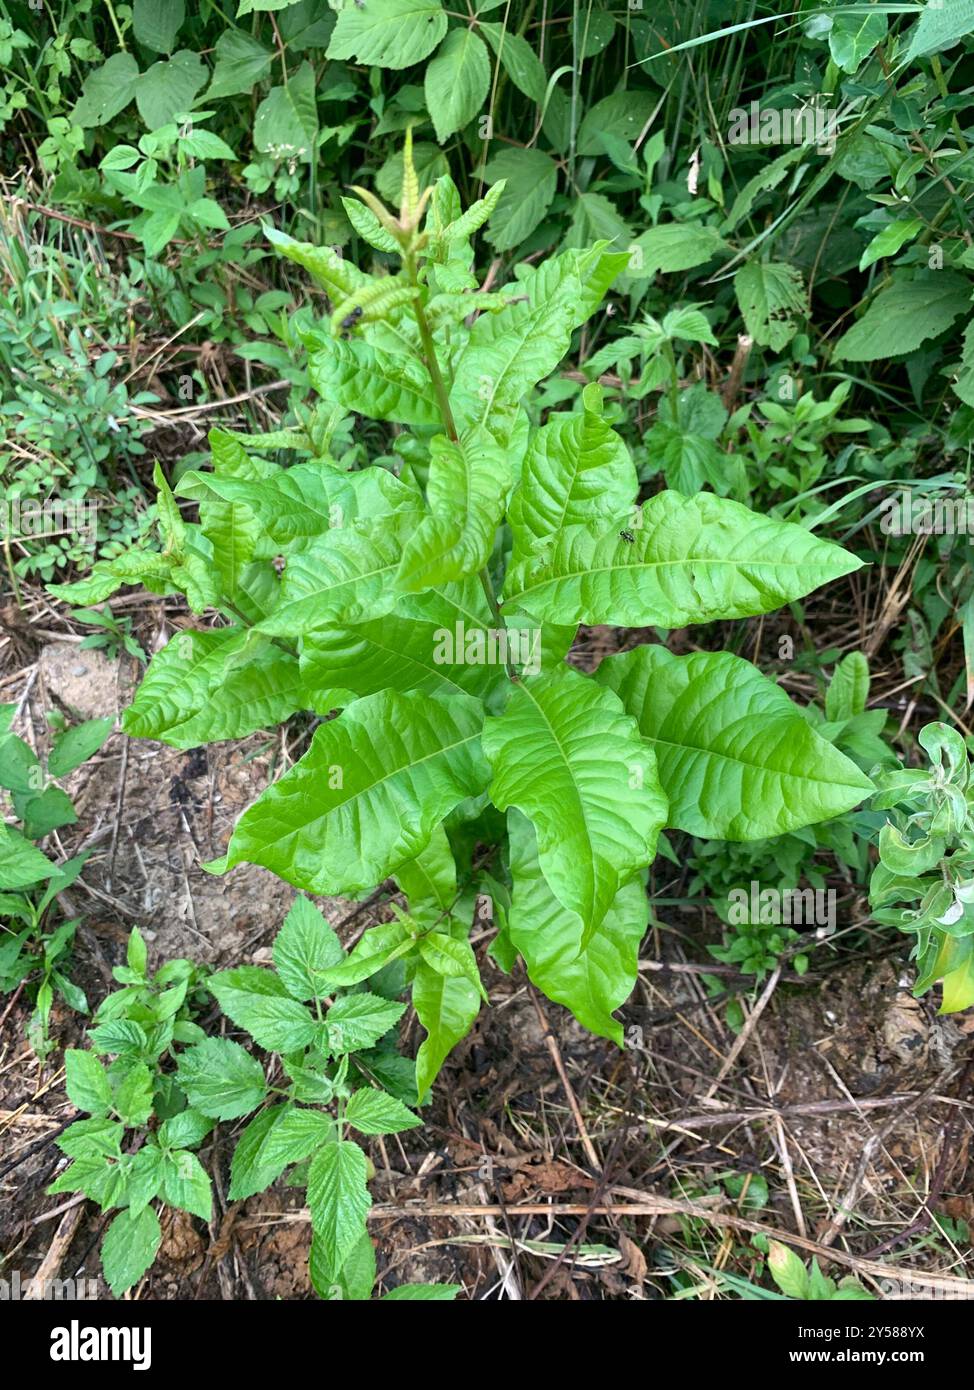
[(234, 532), (430, 880), (336, 275), (346, 576), (509, 352), (467, 490), (591, 980), (691, 560), (374, 381), (294, 506), (736, 758), (577, 472), (576, 765), (446, 1006), (207, 686), (367, 795)]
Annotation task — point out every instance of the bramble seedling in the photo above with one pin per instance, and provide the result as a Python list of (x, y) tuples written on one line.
[(33, 950), (137, 1146)]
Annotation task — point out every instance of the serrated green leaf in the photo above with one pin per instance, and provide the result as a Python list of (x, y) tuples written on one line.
[(185, 1130), (106, 91), (457, 81), (186, 1184), (304, 949), (86, 1082), (357, 1021), (339, 1200), (129, 1248), (388, 33), (256, 1000), (143, 1180), (940, 26), (373, 1112), (671, 248), (286, 121), (157, 22), (249, 1171), (530, 179), (241, 63), (169, 87), (771, 295), (518, 59), (221, 1079), (133, 1097), (422, 1293), (355, 1278), (736, 758), (903, 315)]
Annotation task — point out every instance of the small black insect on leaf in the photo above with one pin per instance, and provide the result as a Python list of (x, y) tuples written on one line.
[(627, 536)]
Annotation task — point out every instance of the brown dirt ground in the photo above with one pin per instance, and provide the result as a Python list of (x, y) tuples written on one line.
[(849, 1098)]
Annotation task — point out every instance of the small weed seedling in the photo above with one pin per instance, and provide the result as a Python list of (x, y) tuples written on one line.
[(34, 951), (926, 859), (137, 1146), (336, 1045)]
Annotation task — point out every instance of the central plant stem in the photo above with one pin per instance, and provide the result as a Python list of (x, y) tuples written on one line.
[(449, 424)]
